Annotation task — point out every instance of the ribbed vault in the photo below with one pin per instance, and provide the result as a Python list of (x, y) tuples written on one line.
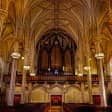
[(26, 21)]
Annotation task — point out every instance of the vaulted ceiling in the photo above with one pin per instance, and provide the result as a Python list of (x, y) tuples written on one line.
[(27, 20)]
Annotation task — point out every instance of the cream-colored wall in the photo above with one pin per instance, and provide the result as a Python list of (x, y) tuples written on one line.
[(18, 90), (86, 96), (73, 95), (70, 95), (39, 95), (96, 90)]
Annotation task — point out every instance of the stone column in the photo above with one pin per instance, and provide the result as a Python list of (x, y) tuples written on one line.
[(110, 74), (80, 68), (88, 69), (32, 57), (3, 15), (82, 91), (23, 88), (15, 55), (12, 83), (90, 87), (29, 92), (99, 56), (89, 80), (1, 78), (25, 68), (102, 82), (1, 74)]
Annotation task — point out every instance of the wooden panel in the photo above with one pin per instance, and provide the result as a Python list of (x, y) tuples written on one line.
[(56, 57), (67, 60), (44, 59)]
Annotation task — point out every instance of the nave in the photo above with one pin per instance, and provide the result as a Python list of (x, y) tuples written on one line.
[(56, 51)]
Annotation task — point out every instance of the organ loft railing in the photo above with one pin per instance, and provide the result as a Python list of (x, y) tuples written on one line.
[(60, 78)]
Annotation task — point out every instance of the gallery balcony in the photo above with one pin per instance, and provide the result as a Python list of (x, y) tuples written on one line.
[(54, 78)]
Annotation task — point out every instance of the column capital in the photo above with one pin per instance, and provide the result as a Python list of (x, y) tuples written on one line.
[(15, 55), (98, 38), (110, 16), (3, 13), (99, 53)]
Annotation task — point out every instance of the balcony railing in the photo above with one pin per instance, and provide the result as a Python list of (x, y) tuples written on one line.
[(38, 78)]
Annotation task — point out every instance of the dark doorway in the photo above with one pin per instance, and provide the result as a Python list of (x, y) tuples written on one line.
[(96, 99), (56, 100)]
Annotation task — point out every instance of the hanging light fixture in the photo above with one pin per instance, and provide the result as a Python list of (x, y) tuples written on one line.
[(15, 55), (87, 68), (80, 71), (32, 74), (80, 74), (99, 55), (26, 67)]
